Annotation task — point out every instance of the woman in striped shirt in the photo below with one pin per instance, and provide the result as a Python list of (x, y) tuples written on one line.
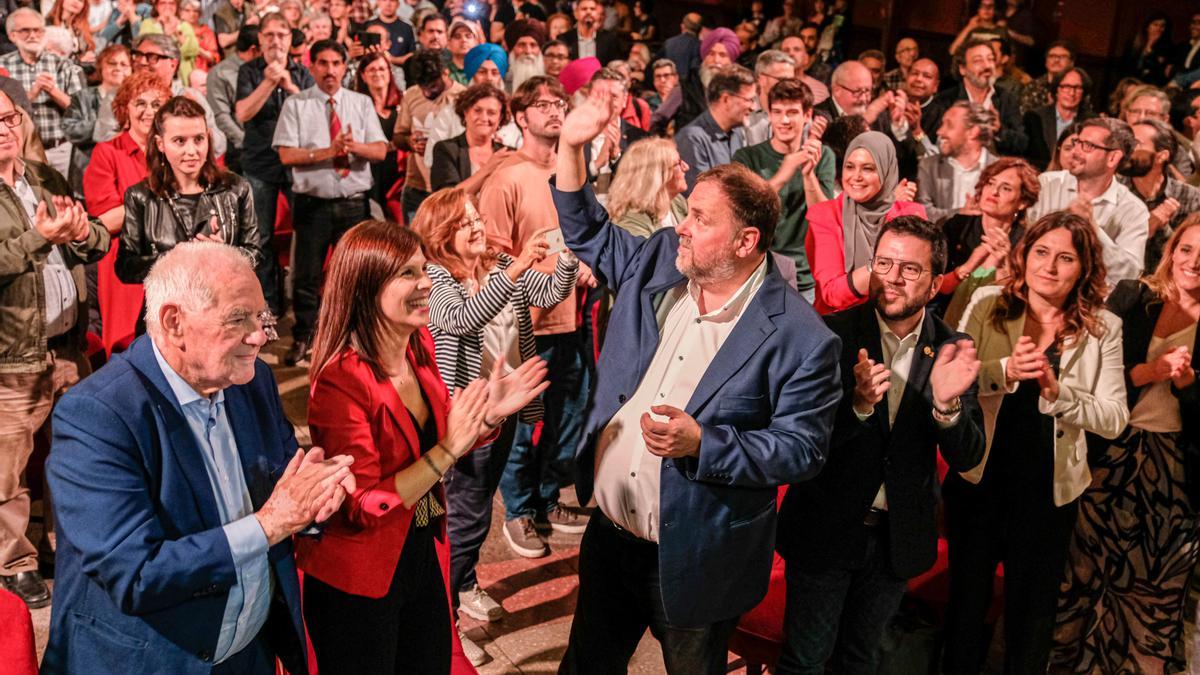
[(479, 318)]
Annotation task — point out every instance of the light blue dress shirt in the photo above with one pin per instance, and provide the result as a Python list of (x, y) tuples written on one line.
[(250, 599)]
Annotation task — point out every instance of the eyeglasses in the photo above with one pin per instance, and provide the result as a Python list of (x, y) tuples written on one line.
[(22, 32), (910, 271), (1086, 146), (554, 56), (745, 99), (149, 57), (1071, 87), (278, 36), (546, 106), (12, 120), (1057, 57), (856, 93), (470, 221)]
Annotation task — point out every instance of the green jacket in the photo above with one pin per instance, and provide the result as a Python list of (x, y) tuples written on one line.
[(644, 224), (23, 252)]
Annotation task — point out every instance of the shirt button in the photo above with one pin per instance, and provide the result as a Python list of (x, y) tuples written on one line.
[(633, 474), (697, 320), (621, 398), (680, 358), (1059, 434)]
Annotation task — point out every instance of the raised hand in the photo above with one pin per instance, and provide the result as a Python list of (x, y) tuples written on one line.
[(465, 418), (817, 129), (1163, 213), (587, 120), (1026, 362), (872, 381), (533, 253), (905, 191), (954, 371), (510, 393), (1170, 364), (679, 436)]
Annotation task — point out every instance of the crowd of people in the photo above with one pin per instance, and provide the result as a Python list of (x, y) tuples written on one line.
[(522, 246)]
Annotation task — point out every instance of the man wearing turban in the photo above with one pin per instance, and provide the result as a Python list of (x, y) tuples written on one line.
[(524, 38)]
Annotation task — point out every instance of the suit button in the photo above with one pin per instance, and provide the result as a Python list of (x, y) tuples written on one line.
[(204, 654), (1058, 416), (995, 386), (1059, 434), (383, 506), (621, 398)]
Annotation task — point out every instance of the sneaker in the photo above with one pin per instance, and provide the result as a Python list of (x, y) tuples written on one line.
[(563, 518), (474, 653), (523, 538), (477, 604)]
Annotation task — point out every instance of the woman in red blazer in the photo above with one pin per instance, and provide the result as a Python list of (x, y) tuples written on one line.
[(376, 598), (842, 231)]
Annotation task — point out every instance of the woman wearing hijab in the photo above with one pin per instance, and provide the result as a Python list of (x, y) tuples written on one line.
[(842, 231)]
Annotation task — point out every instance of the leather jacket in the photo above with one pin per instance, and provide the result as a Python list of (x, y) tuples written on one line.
[(154, 225)]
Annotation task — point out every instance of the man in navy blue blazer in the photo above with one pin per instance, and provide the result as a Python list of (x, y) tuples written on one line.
[(174, 493), (717, 384)]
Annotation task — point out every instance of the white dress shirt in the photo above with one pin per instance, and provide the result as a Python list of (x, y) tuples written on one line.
[(1122, 221), (965, 179), (304, 124), (627, 474)]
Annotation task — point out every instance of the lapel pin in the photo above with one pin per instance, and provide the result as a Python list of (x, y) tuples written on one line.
[(928, 351)]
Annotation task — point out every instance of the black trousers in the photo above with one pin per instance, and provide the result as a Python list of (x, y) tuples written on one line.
[(1031, 538), (620, 596), (255, 659), (319, 224), (405, 631)]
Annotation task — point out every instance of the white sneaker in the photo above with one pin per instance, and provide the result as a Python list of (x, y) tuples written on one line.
[(474, 653), (477, 604)]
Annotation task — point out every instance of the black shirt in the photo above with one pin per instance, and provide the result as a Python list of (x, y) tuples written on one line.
[(403, 39), (259, 159)]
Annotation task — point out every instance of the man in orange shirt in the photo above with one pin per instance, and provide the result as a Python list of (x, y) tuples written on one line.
[(516, 205)]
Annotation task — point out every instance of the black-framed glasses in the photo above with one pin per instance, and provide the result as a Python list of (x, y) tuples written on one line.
[(909, 270), (149, 57), (11, 119), (856, 93), (1088, 146), (546, 106)]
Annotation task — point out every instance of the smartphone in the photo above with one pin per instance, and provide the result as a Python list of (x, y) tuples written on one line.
[(805, 132), (555, 239), (366, 38)]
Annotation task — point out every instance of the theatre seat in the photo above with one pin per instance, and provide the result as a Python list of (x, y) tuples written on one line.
[(16, 637)]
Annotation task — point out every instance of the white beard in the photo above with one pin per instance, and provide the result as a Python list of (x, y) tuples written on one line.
[(521, 68)]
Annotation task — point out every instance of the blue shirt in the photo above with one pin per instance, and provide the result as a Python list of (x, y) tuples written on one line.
[(703, 144), (250, 599)]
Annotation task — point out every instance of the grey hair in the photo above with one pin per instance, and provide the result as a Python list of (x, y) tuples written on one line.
[(981, 118), (843, 71), (164, 42), (60, 39), (664, 63), (23, 11), (188, 275), (1120, 134), (770, 58), (189, 3), (1147, 91)]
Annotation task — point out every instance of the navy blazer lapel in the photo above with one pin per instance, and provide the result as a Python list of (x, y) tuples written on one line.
[(183, 448), (752, 329), (256, 466)]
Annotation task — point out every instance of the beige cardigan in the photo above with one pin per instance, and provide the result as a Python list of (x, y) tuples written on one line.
[(1091, 390)]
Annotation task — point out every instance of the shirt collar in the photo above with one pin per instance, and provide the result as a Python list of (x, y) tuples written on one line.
[(184, 393), (884, 330), (979, 163), (714, 129), (737, 302)]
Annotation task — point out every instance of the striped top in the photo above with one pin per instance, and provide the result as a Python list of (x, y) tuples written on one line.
[(457, 319)]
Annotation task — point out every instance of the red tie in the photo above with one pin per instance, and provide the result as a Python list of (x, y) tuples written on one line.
[(341, 163)]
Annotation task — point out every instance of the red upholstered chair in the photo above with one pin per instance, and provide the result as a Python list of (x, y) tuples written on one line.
[(16, 638)]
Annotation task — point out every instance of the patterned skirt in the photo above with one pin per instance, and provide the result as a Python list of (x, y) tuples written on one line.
[(1120, 608)]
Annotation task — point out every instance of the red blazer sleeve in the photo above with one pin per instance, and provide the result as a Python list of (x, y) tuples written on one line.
[(340, 414), (100, 181), (824, 244)]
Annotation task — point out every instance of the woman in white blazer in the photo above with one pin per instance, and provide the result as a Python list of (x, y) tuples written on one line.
[(1052, 370)]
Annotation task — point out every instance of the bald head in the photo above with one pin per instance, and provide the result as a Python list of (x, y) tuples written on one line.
[(852, 86), (691, 22), (923, 78), (189, 275), (906, 52)]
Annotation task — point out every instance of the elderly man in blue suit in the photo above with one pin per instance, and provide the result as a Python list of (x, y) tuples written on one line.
[(175, 496), (717, 383)]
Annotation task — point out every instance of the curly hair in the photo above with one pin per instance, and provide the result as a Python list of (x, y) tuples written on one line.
[(134, 86), (1031, 189), (1081, 310), (476, 93)]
